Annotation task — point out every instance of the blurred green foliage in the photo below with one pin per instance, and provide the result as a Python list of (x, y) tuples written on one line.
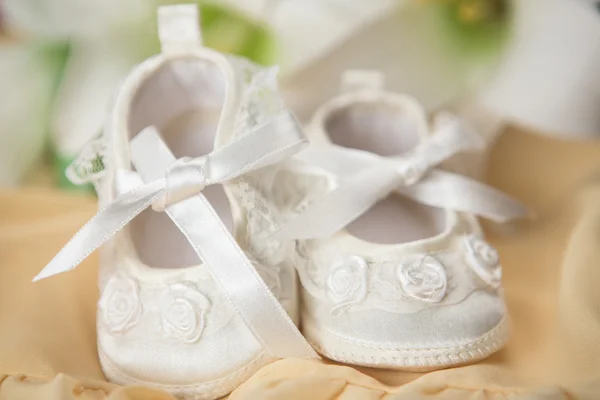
[(223, 29), (476, 27)]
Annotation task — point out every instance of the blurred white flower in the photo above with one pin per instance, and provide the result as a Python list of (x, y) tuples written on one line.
[(57, 78), (28, 75), (533, 62), (428, 49), (549, 78), (105, 39), (60, 19)]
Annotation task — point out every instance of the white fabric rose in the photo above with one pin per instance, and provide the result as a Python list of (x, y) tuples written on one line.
[(484, 260), (347, 282), (183, 311), (422, 277), (120, 304)]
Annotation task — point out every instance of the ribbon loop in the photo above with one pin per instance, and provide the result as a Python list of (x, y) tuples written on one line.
[(184, 178)]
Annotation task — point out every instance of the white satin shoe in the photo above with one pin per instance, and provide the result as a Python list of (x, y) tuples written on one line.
[(196, 293), (394, 267)]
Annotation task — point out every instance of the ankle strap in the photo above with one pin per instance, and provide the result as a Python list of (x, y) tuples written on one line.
[(179, 27)]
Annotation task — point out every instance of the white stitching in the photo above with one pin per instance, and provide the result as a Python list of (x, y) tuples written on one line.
[(206, 390), (478, 349)]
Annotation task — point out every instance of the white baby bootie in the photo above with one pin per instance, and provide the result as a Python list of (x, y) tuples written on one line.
[(394, 267), (196, 292)]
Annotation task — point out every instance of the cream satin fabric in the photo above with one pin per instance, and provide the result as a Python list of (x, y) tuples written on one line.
[(551, 278)]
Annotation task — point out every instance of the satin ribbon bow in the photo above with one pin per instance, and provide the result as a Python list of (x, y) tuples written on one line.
[(366, 178), (179, 193)]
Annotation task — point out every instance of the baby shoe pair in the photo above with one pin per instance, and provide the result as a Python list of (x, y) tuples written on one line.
[(210, 211)]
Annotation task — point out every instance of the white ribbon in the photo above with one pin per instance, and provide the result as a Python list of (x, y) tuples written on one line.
[(178, 193), (366, 178)]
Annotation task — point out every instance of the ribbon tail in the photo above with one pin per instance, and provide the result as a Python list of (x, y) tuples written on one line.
[(337, 160), (335, 211), (101, 228), (448, 190), (238, 279)]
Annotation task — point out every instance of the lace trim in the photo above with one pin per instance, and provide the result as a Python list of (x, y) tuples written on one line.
[(262, 219), (405, 282), (90, 165), (260, 95)]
